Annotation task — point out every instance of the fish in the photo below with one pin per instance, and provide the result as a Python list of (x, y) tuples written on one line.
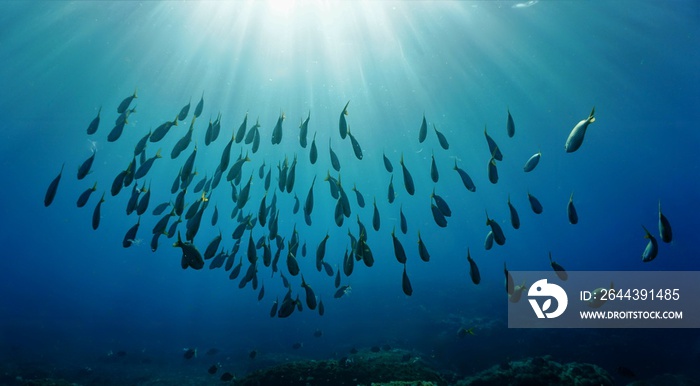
[(399, 252), (250, 137), (310, 295), (188, 165), (494, 150), (291, 175), (200, 106), (665, 231), (598, 296), (439, 218), (492, 170), (130, 235), (244, 194), (190, 353), (297, 345), (434, 174), (387, 164), (85, 196), (403, 222), (313, 152), (226, 377), (318, 333), (517, 293), (422, 250), (376, 221), (334, 158), (441, 204), (160, 131), (342, 123), (161, 208), (212, 370), (652, 248), (212, 247), (498, 235), (96, 213), (190, 255), (441, 138), (359, 197), (141, 144), (473, 269), (514, 218), (510, 125), (534, 203), (146, 166), (391, 195), (321, 252), (160, 226), (200, 185), (348, 263), (240, 133), (237, 167), (215, 129), (124, 105), (184, 111), (466, 180), (133, 200), (182, 143), (273, 309), (86, 165), (261, 294), (488, 243), (92, 127), (510, 286), (575, 139), (423, 131), (303, 130), (571, 210), (253, 354), (406, 283), (342, 291), (355, 145), (532, 162), (407, 178), (53, 187), (142, 204), (292, 265), (277, 131), (462, 332), (558, 269), (333, 185), (337, 276), (309, 203)]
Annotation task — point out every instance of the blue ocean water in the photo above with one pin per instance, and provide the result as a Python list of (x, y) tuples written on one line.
[(72, 295)]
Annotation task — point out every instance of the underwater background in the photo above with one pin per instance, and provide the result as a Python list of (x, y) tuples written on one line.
[(78, 306)]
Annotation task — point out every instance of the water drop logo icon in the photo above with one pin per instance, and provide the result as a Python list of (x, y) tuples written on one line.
[(543, 289)]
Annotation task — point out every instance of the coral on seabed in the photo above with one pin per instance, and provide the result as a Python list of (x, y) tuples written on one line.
[(541, 371)]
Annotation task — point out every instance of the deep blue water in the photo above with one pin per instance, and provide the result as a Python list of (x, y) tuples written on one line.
[(72, 294)]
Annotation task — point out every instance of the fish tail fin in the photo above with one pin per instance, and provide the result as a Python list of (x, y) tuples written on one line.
[(158, 154), (135, 92)]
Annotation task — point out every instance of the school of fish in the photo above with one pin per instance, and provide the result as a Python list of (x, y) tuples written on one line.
[(260, 215)]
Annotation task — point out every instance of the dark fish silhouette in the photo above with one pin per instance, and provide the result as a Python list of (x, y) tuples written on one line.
[(53, 187), (92, 128)]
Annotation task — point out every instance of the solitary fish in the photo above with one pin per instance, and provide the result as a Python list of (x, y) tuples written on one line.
[(342, 123), (466, 180), (200, 106), (664, 227), (303, 130), (376, 221), (86, 165), (423, 132), (514, 218), (532, 162), (92, 128), (571, 210), (558, 269), (510, 125), (441, 138), (407, 178), (355, 145), (313, 152), (277, 131), (404, 223), (334, 157), (488, 243), (391, 195), (534, 203), (498, 235), (406, 283), (124, 105), (473, 269), (652, 248), (422, 250), (387, 164), (494, 150), (96, 215), (399, 252), (575, 139), (53, 186), (434, 175), (83, 199)]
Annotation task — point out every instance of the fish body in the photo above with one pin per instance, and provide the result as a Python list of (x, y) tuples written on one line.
[(488, 243), (277, 131), (434, 174), (124, 105), (190, 255), (652, 248), (473, 269), (342, 123), (146, 166), (534, 203), (510, 125), (399, 252), (466, 180), (665, 231), (514, 218), (160, 131), (85, 196), (313, 151), (422, 250), (423, 131), (53, 187), (571, 210), (406, 283), (407, 178), (96, 214), (92, 128), (498, 235), (356, 148), (558, 269), (387, 164), (304, 130), (85, 167), (575, 139), (494, 150), (441, 138), (130, 235), (183, 112), (532, 162), (200, 106), (240, 133)]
